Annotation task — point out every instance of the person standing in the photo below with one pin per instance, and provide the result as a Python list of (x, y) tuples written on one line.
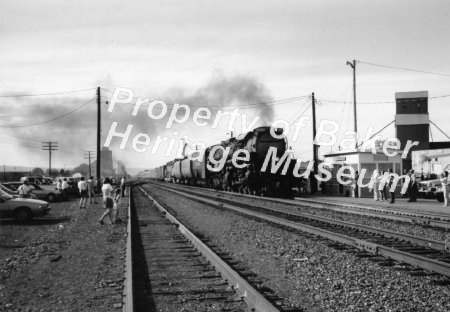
[(83, 188), (391, 181), (383, 193), (122, 186), (114, 214), (108, 202), (59, 186), (375, 185), (91, 190), (64, 187), (445, 187), (355, 184), (413, 187), (24, 190)]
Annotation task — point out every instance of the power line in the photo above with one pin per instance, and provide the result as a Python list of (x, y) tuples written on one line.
[(47, 121), (42, 94), (377, 133), (440, 129), (275, 102), (348, 102), (380, 102), (406, 69)]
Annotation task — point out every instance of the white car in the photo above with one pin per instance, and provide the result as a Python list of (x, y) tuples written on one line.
[(23, 209)]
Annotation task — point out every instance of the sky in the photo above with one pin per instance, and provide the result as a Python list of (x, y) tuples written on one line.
[(217, 55)]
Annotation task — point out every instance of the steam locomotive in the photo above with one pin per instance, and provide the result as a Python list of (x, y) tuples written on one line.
[(247, 179)]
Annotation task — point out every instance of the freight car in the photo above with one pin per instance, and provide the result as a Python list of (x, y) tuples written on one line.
[(249, 179)]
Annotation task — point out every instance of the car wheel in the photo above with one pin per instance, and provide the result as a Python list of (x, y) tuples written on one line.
[(23, 214), (51, 197)]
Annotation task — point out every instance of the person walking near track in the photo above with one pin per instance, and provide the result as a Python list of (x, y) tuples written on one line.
[(83, 188), (114, 214), (108, 202), (445, 186)]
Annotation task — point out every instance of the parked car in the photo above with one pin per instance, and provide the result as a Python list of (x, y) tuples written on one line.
[(49, 195), (429, 188), (23, 209), (48, 180), (11, 191)]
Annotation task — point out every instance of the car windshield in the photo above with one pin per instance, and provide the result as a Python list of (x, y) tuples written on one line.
[(5, 195)]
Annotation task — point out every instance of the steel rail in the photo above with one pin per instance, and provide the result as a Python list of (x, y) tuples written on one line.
[(391, 214), (128, 301), (426, 242), (414, 217), (251, 296), (412, 259)]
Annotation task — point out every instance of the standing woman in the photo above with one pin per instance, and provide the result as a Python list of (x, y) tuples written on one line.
[(445, 186), (83, 187), (375, 185), (108, 202)]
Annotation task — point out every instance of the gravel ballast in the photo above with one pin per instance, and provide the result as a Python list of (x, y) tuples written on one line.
[(377, 222), (304, 270), (72, 263)]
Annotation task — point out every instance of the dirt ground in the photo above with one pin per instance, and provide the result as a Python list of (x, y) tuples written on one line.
[(65, 261)]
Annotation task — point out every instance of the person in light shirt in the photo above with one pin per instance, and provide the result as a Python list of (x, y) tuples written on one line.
[(83, 188), (24, 190), (108, 201), (445, 186), (64, 187)]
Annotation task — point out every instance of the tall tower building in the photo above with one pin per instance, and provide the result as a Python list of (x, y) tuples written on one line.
[(412, 121), (107, 163)]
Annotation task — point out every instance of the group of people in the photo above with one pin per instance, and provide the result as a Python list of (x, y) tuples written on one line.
[(412, 190), (383, 194), (111, 196)]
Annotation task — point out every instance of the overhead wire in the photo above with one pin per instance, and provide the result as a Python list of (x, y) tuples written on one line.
[(50, 120), (45, 94), (380, 102), (269, 103), (406, 69), (440, 129), (376, 133)]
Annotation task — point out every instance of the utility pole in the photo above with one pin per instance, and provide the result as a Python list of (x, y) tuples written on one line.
[(99, 121), (313, 181), (87, 155), (353, 66), (50, 146)]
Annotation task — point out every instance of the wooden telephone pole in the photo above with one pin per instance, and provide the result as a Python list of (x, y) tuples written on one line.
[(99, 122)]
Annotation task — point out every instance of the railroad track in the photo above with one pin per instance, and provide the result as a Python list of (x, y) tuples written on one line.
[(392, 213), (395, 214), (419, 252), (174, 270)]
